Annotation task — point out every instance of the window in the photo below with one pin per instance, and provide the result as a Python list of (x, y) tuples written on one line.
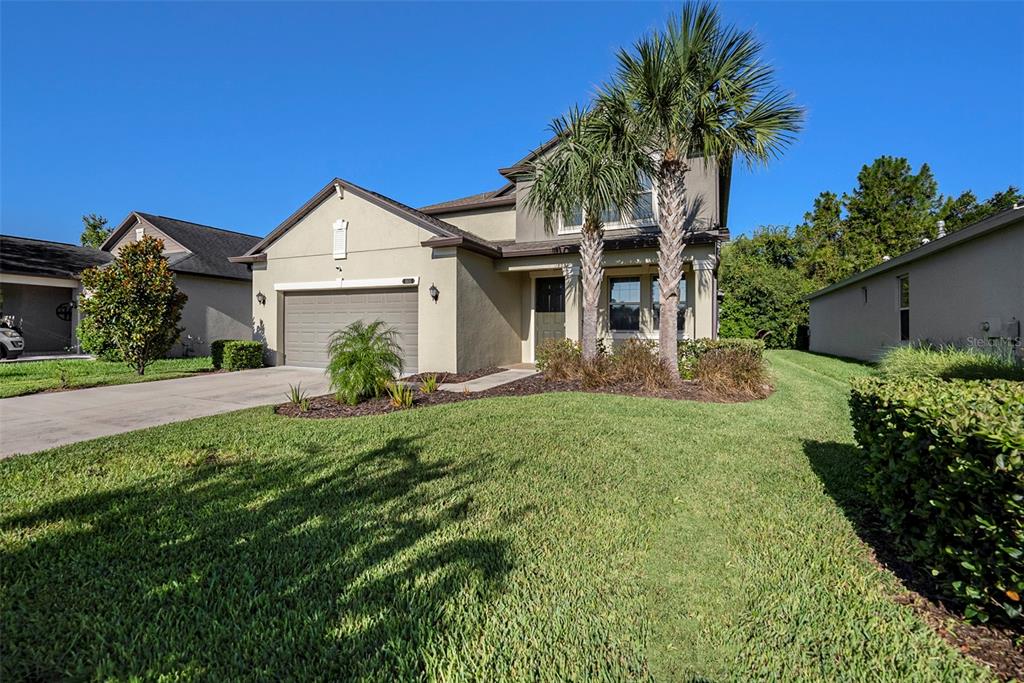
[(550, 295), (642, 214), (904, 302), (624, 303), (656, 303)]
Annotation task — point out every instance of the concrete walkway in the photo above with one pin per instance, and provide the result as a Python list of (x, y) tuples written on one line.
[(41, 421), (489, 381)]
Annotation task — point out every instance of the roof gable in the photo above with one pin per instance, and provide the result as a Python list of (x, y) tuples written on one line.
[(208, 248), (418, 218)]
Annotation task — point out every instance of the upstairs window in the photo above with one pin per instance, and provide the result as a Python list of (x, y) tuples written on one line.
[(641, 215), (656, 303), (904, 301), (624, 304)]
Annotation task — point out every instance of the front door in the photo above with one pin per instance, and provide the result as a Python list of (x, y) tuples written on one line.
[(549, 309)]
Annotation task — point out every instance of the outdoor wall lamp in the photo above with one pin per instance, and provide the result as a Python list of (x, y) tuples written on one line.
[(433, 292), (262, 298)]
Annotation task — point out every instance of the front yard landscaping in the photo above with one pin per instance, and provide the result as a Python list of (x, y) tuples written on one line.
[(17, 379), (548, 537)]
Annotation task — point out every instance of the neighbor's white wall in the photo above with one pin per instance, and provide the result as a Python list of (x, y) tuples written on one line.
[(217, 308), (951, 293)]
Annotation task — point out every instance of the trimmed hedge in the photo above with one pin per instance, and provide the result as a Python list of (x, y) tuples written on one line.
[(691, 350), (217, 352), (242, 355), (945, 466)]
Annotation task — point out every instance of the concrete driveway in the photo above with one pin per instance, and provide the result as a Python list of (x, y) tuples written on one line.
[(40, 421)]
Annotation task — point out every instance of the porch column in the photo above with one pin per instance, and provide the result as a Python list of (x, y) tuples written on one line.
[(703, 299), (573, 301)]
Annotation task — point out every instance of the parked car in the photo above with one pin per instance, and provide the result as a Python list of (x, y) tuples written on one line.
[(11, 341)]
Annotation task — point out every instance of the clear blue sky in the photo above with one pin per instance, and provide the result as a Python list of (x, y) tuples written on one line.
[(234, 114)]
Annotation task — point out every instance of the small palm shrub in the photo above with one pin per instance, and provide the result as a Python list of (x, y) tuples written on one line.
[(362, 359), (950, 362), (429, 384), (732, 373), (400, 395), (298, 397), (559, 359)]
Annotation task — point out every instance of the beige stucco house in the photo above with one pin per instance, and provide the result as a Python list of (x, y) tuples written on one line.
[(964, 288), (218, 291), (472, 282)]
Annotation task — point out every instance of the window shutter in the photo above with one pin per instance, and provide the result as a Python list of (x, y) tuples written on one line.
[(139, 232), (340, 238)]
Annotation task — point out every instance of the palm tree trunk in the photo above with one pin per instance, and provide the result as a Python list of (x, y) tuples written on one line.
[(671, 242), (591, 253)]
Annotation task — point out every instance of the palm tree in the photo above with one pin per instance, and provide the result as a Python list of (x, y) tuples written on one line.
[(593, 171), (699, 89)]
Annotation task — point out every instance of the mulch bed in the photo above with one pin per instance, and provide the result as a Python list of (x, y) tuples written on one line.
[(327, 406), (455, 377)]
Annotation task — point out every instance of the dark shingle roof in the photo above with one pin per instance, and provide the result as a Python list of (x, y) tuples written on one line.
[(479, 200), (210, 247), (27, 256)]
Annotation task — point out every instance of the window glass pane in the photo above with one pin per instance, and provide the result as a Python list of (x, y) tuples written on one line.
[(550, 295), (624, 303), (904, 292), (656, 302), (574, 220), (905, 324)]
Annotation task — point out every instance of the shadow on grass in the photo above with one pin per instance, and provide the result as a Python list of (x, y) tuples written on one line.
[(840, 468), (327, 568)]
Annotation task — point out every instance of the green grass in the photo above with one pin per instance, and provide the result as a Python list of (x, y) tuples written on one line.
[(551, 537), (951, 363), (17, 379)]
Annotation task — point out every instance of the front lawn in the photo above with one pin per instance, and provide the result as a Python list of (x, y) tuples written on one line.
[(17, 379), (549, 537)]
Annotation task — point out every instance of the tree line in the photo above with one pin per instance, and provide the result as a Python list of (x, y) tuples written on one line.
[(765, 277)]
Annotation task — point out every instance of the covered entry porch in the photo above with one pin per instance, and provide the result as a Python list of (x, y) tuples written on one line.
[(629, 303)]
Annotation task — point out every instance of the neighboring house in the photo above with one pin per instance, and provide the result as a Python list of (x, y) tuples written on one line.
[(39, 287), (964, 288), (219, 291), (472, 282)]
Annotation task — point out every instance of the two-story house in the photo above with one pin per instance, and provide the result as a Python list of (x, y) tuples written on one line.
[(472, 282)]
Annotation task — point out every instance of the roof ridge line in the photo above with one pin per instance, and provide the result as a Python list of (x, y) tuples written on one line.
[(201, 225)]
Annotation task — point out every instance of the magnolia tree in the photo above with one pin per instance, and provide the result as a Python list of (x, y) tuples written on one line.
[(133, 305)]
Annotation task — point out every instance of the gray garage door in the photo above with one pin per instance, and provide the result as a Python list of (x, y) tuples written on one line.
[(311, 317)]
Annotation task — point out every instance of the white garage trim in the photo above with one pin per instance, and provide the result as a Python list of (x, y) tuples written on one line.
[(342, 283), (14, 279)]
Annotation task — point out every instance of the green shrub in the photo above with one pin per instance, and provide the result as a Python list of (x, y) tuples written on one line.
[(363, 358), (217, 352), (690, 351), (733, 372), (559, 359), (134, 303), (945, 465), (242, 355), (950, 362), (92, 341)]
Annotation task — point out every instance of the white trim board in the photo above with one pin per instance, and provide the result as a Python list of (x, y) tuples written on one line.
[(37, 280), (348, 283)]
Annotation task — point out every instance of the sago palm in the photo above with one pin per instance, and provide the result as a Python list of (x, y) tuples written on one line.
[(594, 171), (699, 90)]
